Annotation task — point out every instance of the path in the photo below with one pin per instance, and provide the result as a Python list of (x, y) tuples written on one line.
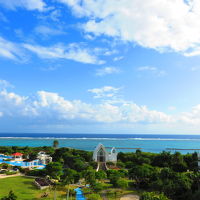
[(7, 176), (104, 197), (130, 197)]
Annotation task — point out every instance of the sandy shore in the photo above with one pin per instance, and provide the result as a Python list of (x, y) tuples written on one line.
[(130, 197)]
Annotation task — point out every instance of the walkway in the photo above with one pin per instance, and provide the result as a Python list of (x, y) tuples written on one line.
[(130, 197), (7, 176), (79, 194)]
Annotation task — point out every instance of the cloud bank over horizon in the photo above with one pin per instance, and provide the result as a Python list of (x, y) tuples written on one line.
[(51, 109)]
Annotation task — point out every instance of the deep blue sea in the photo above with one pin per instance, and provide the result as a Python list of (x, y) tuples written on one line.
[(148, 142)]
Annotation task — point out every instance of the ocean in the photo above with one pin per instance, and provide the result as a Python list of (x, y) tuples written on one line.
[(147, 142)]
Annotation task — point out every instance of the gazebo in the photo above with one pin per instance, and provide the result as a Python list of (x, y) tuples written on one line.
[(17, 156)]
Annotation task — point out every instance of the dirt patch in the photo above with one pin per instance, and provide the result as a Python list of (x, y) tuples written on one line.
[(130, 197)]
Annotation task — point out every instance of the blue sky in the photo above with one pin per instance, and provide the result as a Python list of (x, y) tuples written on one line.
[(86, 66)]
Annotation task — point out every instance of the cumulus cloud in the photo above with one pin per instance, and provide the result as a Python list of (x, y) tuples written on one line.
[(107, 70), (26, 4), (14, 105), (71, 52), (48, 105), (158, 24), (45, 107), (192, 117)]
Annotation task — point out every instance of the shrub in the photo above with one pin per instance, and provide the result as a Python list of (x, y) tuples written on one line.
[(93, 197), (153, 196)]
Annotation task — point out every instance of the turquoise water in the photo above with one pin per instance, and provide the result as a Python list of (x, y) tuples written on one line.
[(148, 143)]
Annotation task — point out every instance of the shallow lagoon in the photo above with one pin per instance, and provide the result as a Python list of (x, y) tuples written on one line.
[(148, 143)]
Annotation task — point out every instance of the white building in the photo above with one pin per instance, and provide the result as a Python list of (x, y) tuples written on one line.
[(100, 154), (44, 158)]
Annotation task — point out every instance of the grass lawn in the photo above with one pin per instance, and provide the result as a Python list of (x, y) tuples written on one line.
[(24, 189)]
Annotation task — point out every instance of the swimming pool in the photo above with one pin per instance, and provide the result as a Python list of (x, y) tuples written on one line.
[(34, 163)]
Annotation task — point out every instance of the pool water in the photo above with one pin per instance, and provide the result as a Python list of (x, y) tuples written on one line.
[(20, 163)]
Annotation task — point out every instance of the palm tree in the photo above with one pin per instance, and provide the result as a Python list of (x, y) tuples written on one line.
[(55, 144)]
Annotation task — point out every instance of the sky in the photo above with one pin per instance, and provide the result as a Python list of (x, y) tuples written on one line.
[(100, 66)]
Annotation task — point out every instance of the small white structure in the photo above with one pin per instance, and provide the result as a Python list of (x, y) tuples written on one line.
[(44, 158), (17, 156), (100, 154)]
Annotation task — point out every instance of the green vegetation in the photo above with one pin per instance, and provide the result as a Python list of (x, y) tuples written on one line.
[(11, 196), (55, 144), (163, 175), (24, 189), (153, 196)]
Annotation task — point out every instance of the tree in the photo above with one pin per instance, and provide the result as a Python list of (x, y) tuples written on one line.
[(153, 196), (143, 175), (69, 176), (54, 170), (122, 183), (114, 176), (89, 176), (55, 144), (100, 175), (97, 187), (11, 196)]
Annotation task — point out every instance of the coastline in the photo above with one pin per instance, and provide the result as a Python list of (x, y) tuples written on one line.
[(148, 143)]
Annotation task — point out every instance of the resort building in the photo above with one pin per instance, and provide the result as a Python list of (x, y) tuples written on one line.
[(17, 156), (44, 158), (100, 154)]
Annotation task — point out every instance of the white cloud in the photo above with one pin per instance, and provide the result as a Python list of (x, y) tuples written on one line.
[(171, 108), (153, 70), (71, 52), (104, 92), (192, 117), (11, 50), (5, 84), (107, 70), (48, 105), (14, 105), (118, 58), (47, 31), (158, 24), (27, 4)]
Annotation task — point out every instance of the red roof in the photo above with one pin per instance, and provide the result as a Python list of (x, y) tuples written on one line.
[(17, 154)]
